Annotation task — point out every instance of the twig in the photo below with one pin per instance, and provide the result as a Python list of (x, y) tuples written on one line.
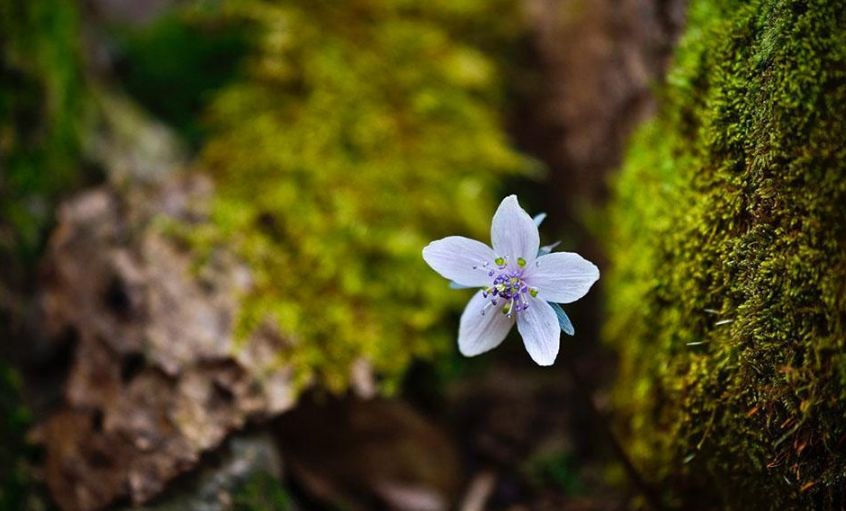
[(481, 488)]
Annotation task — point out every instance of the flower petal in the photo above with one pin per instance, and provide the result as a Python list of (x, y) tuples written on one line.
[(562, 277), (513, 232), (538, 325), (460, 259), (482, 330)]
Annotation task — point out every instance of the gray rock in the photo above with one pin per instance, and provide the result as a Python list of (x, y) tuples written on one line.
[(158, 377), (214, 488)]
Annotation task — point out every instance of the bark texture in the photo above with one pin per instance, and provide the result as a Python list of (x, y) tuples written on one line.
[(600, 61)]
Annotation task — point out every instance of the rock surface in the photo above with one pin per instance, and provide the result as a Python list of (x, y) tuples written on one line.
[(216, 486), (157, 377)]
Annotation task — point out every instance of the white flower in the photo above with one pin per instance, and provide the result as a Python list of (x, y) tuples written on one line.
[(519, 282)]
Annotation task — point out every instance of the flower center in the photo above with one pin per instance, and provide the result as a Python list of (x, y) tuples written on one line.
[(508, 288)]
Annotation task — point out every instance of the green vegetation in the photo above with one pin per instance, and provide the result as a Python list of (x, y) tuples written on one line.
[(556, 469), (15, 478), (42, 107), (193, 47), (262, 492), (728, 297), (41, 115), (361, 131)]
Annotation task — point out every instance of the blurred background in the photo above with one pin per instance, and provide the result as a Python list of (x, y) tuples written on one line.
[(211, 218)]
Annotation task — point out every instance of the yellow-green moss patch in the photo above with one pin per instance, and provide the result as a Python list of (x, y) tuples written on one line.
[(363, 130)]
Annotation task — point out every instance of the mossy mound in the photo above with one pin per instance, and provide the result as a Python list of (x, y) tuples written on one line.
[(362, 131), (727, 301)]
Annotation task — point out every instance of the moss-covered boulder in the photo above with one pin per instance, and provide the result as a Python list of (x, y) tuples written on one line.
[(727, 300), (361, 131)]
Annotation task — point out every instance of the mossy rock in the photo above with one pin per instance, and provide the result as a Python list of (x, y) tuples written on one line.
[(361, 131), (727, 301)]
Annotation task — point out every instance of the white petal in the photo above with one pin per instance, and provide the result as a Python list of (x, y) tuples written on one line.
[(561, 277), (513, 232), (479, 332), (461, 260), (538, 325)]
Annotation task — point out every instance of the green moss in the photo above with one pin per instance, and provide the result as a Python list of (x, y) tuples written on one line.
[(728, 296), (192, 47), (42, 105), (41, 113), (15, 477), (262, 492), (363, 130), (556, 469)]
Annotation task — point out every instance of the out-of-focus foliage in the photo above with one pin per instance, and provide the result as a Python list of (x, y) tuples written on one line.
[(363, 130), (42, 106), (174, 65), (728, 295), (555, 469), (41, 115), (262, 492), (15, 477)]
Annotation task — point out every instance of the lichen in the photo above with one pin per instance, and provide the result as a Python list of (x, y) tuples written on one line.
[(728, 295), (361, 131)]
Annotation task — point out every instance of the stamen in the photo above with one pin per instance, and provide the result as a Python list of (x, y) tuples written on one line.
[(508, 285), (521, 262)]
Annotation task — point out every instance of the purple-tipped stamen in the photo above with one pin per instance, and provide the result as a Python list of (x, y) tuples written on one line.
[(509, 286)]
